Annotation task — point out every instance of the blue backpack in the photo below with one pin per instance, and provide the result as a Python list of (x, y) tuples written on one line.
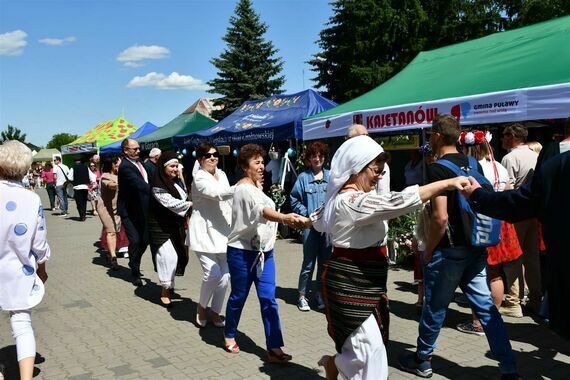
[(480, 230)]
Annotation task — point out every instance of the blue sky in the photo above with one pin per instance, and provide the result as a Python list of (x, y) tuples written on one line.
[(67, 65)]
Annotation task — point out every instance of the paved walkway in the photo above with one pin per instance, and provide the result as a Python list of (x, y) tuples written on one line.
[(93, 324)]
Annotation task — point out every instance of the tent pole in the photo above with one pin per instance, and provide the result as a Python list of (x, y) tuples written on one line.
[(424, 166)]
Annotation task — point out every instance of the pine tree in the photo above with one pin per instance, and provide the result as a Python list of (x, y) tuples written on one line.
[(247, 68)]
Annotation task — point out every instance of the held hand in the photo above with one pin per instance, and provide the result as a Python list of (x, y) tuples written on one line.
[(41, 271), (473, 185), (458, 183)]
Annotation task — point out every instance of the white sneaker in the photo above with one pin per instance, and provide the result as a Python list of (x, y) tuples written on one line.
[(303, 304), (319, 300)]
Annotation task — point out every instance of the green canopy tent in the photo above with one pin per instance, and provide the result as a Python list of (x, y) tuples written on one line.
[(46, 155), (522, 74), (182, 124)]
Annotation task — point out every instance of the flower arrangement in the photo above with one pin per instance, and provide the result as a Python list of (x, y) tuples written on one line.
[(401, 233)]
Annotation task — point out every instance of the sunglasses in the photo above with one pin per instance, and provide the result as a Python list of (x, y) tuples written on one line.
[(210, 155)]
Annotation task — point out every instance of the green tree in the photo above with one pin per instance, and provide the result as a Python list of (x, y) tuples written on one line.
[(60, 139), (365, 43), (12, 133), (525, 12), (247, 68)]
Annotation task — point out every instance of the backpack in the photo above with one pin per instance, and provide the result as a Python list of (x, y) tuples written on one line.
[(480, 230)]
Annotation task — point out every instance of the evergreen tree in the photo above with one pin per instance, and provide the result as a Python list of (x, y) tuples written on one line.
[(12, 133), (247, 68)]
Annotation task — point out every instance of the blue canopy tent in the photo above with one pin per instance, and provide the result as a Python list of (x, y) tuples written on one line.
[(115, 148), (276, 118)]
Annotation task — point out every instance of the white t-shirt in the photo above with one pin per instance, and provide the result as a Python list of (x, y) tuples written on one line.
[(250, 230), (489, 173), (59, 171)]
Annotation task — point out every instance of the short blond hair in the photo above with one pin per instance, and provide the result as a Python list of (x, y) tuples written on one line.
[(15, 160)]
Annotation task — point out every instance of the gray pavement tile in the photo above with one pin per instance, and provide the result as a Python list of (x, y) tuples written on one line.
[(113, 331)]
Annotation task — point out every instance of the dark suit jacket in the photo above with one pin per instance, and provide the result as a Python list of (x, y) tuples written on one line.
[(547, 197), (150, 169), (134, 192)]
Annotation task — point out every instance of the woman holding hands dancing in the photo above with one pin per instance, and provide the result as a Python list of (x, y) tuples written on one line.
[(250, 253), (354, 279)]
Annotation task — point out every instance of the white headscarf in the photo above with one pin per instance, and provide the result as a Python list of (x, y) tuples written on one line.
[(352, 156)]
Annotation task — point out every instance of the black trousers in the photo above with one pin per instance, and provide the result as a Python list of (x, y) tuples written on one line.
[(137, 232), (80, 197), (50, 188)]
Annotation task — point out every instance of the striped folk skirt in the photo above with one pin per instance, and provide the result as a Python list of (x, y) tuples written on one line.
[(354, 287)]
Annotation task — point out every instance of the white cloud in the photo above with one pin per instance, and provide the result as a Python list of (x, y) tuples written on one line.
[(174, 81), (57, 41), (12, 43), (134, 64), (142, 52)]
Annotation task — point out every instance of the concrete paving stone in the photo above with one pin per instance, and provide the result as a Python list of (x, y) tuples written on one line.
[(84, 376), (93, 320)]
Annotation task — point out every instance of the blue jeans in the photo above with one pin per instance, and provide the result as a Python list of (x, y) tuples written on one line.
[(464, 267), (62, 195), (242, 275), (315, 251)]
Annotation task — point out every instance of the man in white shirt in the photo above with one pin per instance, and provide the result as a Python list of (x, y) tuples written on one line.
[(60, 172), (520, 163)]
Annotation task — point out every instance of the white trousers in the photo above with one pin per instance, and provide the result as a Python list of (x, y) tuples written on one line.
[(166, 260), (363, 355), (215, 281), (23, 334)]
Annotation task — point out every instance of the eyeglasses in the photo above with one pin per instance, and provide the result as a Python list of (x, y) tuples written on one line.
[(377, 171), (209, 155), (135, 149)]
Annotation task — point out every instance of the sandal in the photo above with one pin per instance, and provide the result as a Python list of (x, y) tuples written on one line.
[(232, 348), (274, 357)]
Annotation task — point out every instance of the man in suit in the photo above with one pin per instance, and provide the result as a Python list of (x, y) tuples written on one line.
[(545, 198), (132, 204)]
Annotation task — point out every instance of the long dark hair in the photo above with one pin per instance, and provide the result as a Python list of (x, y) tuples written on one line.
[(107, 163), (160, 179)]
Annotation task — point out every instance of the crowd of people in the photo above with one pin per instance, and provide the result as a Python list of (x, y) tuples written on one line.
[(343, 214)]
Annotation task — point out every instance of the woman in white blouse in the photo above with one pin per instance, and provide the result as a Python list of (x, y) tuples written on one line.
[(208, 231), (354, 279), (168, 207), (23, 251), (250, 253)]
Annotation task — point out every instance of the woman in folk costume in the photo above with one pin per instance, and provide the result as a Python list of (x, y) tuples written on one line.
[(354, 279), (23, 251), (168, 207)]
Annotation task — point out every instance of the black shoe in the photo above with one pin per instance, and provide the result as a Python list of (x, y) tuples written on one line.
[(137, 281), (511, 376)]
